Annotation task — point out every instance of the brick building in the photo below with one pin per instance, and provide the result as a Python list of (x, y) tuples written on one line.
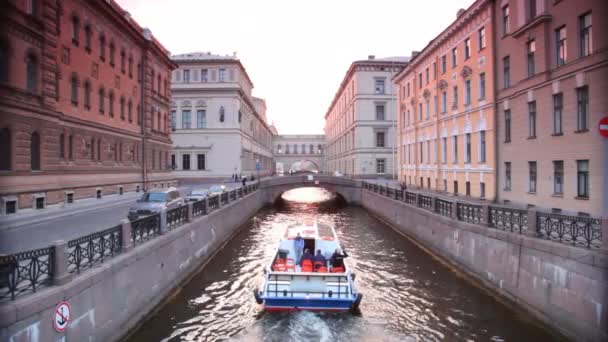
[(84, 103), (552, 81), (446, 105)]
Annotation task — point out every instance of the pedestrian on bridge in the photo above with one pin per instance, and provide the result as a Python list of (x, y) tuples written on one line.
[(244, 181)]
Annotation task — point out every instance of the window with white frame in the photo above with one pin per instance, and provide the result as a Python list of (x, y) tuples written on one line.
[(379, 86)]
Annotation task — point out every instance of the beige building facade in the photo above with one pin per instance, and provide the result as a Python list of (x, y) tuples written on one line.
[(360, 122), (552, 80)]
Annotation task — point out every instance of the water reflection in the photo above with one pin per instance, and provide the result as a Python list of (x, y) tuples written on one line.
[(408, 296)]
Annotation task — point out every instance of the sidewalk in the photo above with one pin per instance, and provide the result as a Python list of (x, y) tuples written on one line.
[(30, 216)]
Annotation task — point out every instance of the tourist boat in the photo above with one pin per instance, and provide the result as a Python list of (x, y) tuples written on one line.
[(288, 286)]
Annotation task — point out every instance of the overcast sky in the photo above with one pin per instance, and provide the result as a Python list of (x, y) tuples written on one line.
[(296, 52)]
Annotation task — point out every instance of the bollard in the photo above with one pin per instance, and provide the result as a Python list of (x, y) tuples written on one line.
[(455, 210), (532, 228), (189, 214), (485, 216), (206, 205), (60, 263), (127, 240)]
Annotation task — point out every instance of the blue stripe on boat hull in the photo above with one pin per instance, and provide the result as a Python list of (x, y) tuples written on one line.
[(308, 304)]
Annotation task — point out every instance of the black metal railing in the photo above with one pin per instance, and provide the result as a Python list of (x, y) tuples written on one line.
[(92, 249), (470, 213), (425, 202), (214, 202), (443, 207), (509, 219), (572, 230), (399, 195), (199, 208), (177, 216), (410, 198), (224, 198), (145, 228), (239, 192), (26, 272), (232, 195)]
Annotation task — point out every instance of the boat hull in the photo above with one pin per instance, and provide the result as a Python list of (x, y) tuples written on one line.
[(326, 305)]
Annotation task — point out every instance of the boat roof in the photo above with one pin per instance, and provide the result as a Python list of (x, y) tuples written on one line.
[(310, 230)]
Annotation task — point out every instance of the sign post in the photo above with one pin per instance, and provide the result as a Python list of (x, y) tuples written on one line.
[(61, 316)]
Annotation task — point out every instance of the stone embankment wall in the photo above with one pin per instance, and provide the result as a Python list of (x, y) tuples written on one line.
[(564, 286), (109, 300)]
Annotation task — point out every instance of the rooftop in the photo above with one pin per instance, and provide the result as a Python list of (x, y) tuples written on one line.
[(196, 56)]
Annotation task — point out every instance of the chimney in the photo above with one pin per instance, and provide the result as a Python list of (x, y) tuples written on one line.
[(415, 53), (459, 13), (371, 57)]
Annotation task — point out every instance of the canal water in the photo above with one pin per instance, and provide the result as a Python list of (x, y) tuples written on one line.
[(408, 295)]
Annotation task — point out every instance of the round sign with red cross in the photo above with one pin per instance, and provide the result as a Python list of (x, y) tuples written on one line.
[(61, 316), (604, 127)]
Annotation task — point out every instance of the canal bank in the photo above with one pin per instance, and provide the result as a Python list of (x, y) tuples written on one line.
[(409, 296)]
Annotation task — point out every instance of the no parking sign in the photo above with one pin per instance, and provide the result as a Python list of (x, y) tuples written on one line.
[(61, 317)]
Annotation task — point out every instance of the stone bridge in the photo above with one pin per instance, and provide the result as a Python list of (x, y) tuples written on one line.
[(348, 189)]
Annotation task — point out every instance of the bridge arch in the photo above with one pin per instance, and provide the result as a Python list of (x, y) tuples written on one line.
[(348, 189)]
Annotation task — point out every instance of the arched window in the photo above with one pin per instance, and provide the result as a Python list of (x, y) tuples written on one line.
[(5, 149), (122, 108), (74, 89), (112, 54), (102, 96), (3, 62), (75, 30), (87, 95), (31, 63), (35, 151), (102, 47), (62, 146), (111, 104), (87, 38), (222, 114)]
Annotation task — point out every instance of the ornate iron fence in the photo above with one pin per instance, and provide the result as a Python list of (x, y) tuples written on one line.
[(390, 192), (224, 198), (245, 190), (26, 272), (470, 213), (375, 187), (145, 228), (410, 198), (399, 195), (92, 249), (214, 202), (572, 230), (239, 192), (425, 201), (509, 219), (443, 207), (176, 216), (232, 195), (199, 208)]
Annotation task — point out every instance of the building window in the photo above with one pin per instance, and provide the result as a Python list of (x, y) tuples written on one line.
[(454, 57), (87, 38), (185, 119), (380, 165), (130, 67), (505, 21), (201, 119), (467, 48), (557, 113), (70, 147), (443, 64), (5, 149), (467, 92), (173, 120), (444, 102), (200, 161), (35, 151), (99, 149), (75, 30), (506, 72), (427, 75), (507, 176), (482, 190), (380, 112), (428, 109), (582, 176), (240, 116), (482, 86), (380, 139), (123, 61), (455, 150), (311, 149), (222, 75), (434, 71), (560, 43), (130, 111), (112, 50), (532, 119), (482, 146), (87, 95), (421, 145), (222, 114), (558, 177), (532, 181), (468, 148), (444, 149), (467, 188), (61, 146), (507, 125), (111, 104), (582, 108), (379, 86), (187, 76), (186, 162), (32, 73), (586, 36), (419, 81), (455, 187), (531, 48), (101, 100), (102, 47), (481, 38), (74, 90), (455, 103), (204, 75)]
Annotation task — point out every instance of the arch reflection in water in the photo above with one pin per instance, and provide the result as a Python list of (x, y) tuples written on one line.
[(307, 195)]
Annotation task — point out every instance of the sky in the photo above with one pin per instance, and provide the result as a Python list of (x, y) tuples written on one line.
[(296, 52)]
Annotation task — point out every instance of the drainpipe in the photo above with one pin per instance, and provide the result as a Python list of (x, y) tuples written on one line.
[(494, 5)]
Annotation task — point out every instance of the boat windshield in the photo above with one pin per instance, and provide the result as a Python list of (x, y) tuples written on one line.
[(154, 197)]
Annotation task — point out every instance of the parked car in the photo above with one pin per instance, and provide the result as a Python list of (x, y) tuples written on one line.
[(197, 195), (154, 201), (216, 190)]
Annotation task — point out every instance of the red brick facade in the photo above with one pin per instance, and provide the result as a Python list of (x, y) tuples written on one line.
[(77, 114)]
